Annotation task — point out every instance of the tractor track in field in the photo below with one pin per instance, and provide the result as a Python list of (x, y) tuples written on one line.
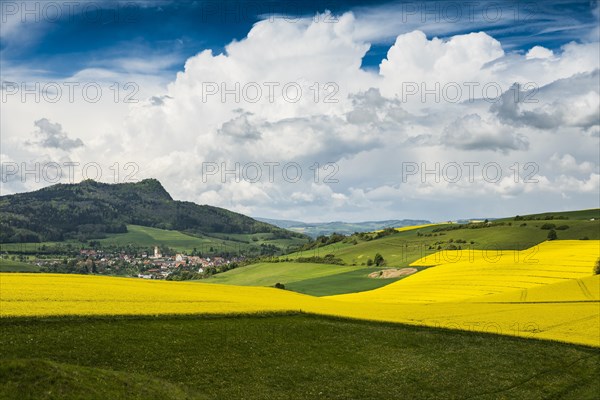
[(584, 289)]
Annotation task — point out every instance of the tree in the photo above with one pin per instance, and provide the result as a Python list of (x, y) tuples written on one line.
[(379, 261), (597, 267), (552, 235), (280, 285)]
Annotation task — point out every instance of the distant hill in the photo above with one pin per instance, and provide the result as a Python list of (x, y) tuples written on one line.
[(91, 210), (345, 228), (314, 276)]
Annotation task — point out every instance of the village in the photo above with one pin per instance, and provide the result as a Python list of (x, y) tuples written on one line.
[(162, 267), (142, 265)]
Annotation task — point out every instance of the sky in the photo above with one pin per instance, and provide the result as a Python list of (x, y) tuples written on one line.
[(309, 110)]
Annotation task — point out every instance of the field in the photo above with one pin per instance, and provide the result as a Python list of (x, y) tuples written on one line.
[(146, 236), (571, 215), (356, 280), (307, 278), (450, 294), (401, 250), (280, 357), (16, 266), (406, 247), (143, 236), (268, 274), (462, 274)]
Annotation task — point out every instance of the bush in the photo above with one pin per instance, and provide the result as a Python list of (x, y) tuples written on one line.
[(552, 235), (280, 285), (369, 262), (597, 267), (562, 227), (548, 226), (328, 259)]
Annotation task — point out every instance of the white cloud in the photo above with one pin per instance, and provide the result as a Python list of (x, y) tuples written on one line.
[(414, 58), (52, 135), (471, 132), (568, 163), (539, 52)]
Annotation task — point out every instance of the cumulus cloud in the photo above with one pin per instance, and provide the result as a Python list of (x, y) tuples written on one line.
[(370, 107), (568, 163), (240, 128), (539, 52), (573, 101), (426, 60), (52, 135), (471, 132), (158, 100), (368, 130)]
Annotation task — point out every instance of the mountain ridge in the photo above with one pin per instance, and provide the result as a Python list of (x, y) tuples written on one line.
[(90, 210), (315, 229)]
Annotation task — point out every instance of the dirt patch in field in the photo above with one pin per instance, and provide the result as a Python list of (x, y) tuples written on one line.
[(392, 273)]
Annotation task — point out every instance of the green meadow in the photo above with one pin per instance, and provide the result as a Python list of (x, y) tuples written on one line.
[(143, 236), (16, 266), (281, 357)]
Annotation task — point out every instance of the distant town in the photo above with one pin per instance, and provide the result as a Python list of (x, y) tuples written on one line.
[(143, 265)]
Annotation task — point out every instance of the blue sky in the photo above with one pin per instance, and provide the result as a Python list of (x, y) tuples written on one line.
[(92, 35)]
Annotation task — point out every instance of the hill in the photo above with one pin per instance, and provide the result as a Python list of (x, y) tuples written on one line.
[(316, 229), (401, 248), (92, 210), (463, 274)]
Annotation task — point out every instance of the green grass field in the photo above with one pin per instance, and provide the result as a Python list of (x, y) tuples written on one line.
[(307, 278), (16, 266), (346, 282), (31, 379), (572, 215), (139, 236), (144, 236), (281, 357), (268, 274)]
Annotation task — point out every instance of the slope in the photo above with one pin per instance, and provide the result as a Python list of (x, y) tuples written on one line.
[(462, 274), (90, 210)]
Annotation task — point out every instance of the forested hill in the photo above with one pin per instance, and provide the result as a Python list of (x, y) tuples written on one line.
[(91, 209)]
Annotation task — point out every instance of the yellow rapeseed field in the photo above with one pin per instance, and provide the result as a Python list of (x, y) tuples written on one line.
[(412, 227), (462, 274), (59, 294), (554, 298)]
